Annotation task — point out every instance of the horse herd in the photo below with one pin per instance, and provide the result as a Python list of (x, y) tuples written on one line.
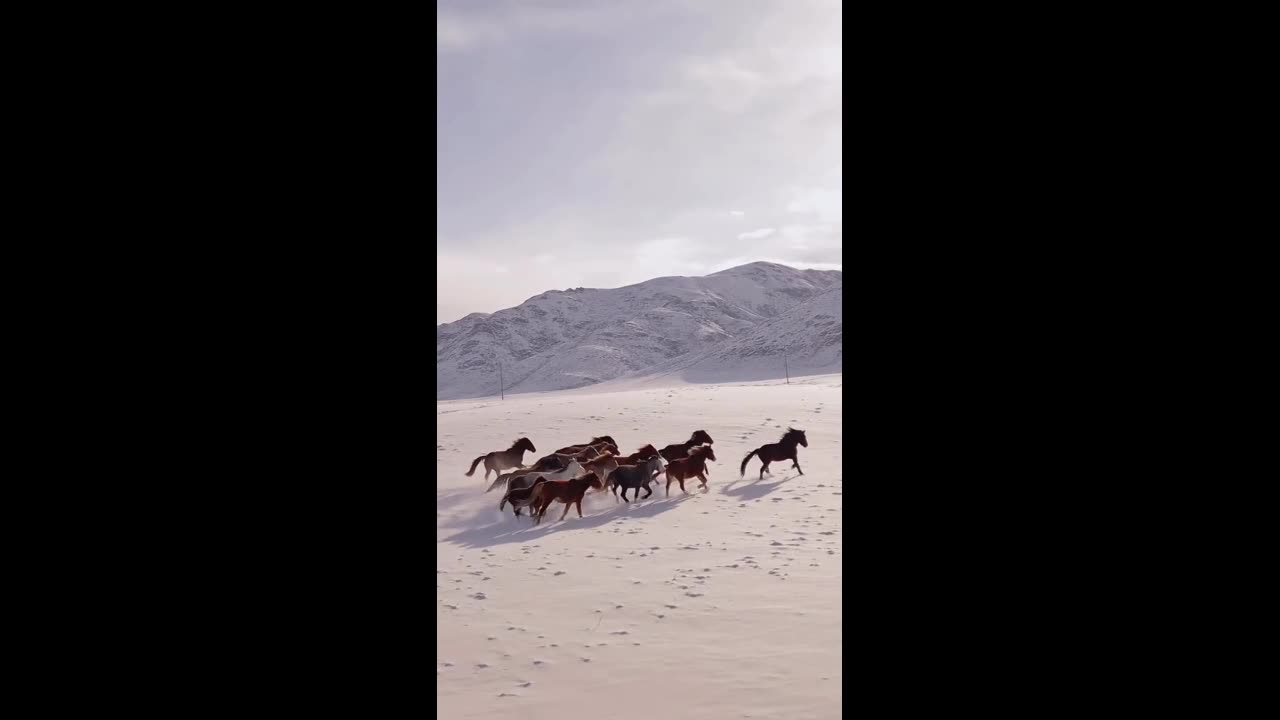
[(565, 475)]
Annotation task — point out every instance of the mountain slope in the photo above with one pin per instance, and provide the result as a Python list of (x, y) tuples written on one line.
[(565, 339), (810, 336)]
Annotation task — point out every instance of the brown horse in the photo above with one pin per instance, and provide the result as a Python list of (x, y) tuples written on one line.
[(589, 453), (569, 492), (784, 449), (638, 455), (693, 466), (602, 466), (499, 460), (679, 450), (595, 442)]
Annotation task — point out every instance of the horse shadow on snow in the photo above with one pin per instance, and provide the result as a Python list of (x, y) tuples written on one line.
[(512, 530), (754, 489)]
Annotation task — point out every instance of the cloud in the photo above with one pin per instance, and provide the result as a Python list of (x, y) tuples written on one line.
[(599, 144)]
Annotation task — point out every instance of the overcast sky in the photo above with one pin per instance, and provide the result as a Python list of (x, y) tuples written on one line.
[(599, 143)]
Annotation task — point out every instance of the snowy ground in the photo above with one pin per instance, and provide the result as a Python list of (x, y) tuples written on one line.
[(717, 604)]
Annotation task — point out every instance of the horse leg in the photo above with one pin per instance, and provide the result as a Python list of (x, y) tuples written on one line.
[(579, 507), (703, 478), (647, 491), (686, 492), (624, 494), (567, 505), (763, 469), (668, 486), (796, 464)]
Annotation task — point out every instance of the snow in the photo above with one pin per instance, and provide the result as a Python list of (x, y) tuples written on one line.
[(567, 339), (716, 604)]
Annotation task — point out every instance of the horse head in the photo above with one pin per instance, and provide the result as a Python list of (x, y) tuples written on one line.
[(705, 451), (701, 436), (526, 444), (798, 436)]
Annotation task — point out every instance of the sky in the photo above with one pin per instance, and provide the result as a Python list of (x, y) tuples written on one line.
[(600, 143)]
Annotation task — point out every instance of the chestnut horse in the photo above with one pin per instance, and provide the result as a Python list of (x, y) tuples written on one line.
[(784, 449), (595, 442), (499, 460), (569, 492), (693, 466), (679, 450)]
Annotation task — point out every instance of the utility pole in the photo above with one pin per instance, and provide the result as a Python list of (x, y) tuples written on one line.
[(502, 395), (786, 369)]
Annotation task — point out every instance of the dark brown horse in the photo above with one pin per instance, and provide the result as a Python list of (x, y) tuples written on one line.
[(695, 465), (500, 460), (569, 492), (679, 450), (784, 449), (634, 477), (520, 497), (594, 442)]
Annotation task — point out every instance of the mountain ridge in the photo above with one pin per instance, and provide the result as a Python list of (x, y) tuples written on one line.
[(562, 339)]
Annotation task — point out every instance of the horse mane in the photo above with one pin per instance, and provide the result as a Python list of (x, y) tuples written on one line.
[(602, 438), (517, 443), (791, 431)]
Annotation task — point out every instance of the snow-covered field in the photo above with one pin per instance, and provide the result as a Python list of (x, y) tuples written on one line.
[(717, 604)]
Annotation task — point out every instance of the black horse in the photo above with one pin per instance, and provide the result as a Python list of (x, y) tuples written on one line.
[(784, 449)]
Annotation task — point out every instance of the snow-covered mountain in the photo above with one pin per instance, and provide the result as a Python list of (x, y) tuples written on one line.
[(810, 336), (731, 320)]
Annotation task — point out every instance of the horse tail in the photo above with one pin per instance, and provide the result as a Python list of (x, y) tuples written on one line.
[(505, 496), (743, 470), (474, 464)]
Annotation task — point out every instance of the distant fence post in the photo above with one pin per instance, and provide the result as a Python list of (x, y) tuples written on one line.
[(502, 394), (786, 369)]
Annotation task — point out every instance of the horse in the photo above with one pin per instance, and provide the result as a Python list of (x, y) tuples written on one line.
[(784, 449), (693, 466), (520, 497), (643, 452), (556, 464), (634, 477), (602, 466), (528, 478), (679, 450), (569, 492), (499, 460), (602, 442), (588, 453)]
